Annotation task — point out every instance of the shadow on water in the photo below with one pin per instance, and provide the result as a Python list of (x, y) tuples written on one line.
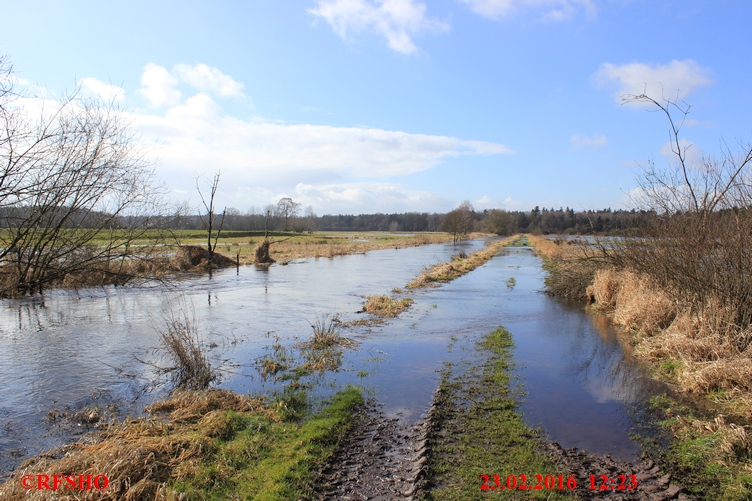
[(74, 350)]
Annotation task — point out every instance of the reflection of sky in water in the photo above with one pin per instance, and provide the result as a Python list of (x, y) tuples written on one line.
[(64, 351)]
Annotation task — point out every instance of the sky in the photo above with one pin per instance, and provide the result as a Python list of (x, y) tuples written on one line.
[(366, 106)]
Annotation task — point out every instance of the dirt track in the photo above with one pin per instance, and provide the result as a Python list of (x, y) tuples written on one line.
[(384, 459)]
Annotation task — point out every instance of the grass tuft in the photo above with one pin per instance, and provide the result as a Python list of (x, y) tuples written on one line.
[(386, 306)]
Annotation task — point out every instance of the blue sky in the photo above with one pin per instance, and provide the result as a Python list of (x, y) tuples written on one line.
[(363, 106)]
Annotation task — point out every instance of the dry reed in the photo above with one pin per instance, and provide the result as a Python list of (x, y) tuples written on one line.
[(699, 344)]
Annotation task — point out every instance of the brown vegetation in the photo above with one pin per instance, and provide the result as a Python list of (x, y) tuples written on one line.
[(140, 456), (188, 257), (386, 306)]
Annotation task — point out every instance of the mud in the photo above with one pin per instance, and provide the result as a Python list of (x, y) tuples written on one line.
[(383, 459), (380, 459), (653, 484)]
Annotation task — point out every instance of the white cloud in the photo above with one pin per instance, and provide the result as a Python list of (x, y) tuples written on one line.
[(674, 80), (107, 92), (371, 197), (159, 86), (195, 134), (334, 168), (594, 141), (208, 79), (551, 10), (395, 20)]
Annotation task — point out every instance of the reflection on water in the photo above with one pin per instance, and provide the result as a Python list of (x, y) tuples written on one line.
[(70, 350)]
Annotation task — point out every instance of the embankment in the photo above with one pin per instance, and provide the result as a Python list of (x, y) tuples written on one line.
[(693, 345)]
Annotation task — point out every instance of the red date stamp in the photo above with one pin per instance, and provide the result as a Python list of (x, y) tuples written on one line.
[(558, 482)]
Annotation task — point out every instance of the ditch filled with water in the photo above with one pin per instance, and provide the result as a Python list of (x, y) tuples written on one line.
[(73, 350)]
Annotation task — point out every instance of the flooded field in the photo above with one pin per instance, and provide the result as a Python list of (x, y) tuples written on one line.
[(68, 351)]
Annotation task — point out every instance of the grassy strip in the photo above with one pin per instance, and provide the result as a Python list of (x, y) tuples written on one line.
[(266, 460), (478, 431), (316, 245), (458, 266), (214, 445)]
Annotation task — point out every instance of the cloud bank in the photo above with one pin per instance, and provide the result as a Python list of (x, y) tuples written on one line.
[(329, 167)]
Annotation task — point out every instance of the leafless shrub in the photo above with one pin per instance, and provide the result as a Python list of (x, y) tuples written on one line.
[(699, 242), (76, 192)]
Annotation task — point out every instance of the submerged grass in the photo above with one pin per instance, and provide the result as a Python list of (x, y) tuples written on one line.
[(478, 431), (213, 445)]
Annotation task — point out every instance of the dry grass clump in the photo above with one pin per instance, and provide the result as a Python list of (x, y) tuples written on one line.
[(386, 306), (181, 342), (326, 333), (633, 300), (188, 257), (140, 456)]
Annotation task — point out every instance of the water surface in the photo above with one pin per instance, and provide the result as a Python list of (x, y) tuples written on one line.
[(69, 350)]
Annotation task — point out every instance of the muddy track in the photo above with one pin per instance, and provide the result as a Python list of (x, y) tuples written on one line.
[(380, 459), (653, 484), (383, 459)]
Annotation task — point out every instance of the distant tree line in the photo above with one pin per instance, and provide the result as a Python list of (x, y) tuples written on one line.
[(460, 221)]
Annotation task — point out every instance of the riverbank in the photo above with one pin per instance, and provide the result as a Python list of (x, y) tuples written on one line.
[(709, 414), (198, 445), (286, 247)]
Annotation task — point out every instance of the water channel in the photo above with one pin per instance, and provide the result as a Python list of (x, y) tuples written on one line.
[(67, 351)]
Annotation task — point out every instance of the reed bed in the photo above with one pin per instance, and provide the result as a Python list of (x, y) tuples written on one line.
[(697, 342), (570, 267)]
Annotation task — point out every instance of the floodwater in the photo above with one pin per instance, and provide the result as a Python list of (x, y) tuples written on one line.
[(68, 351)]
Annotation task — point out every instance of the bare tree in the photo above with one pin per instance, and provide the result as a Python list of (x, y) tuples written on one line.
[(75, 193), (287, 211), (210, 219), (459, 222)]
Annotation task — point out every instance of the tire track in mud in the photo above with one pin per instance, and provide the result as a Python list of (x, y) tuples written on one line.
[(384, 459), (381, 459)]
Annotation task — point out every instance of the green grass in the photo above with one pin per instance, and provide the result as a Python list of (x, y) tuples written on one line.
[(479, 431), (711, 458), (257, 458)]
